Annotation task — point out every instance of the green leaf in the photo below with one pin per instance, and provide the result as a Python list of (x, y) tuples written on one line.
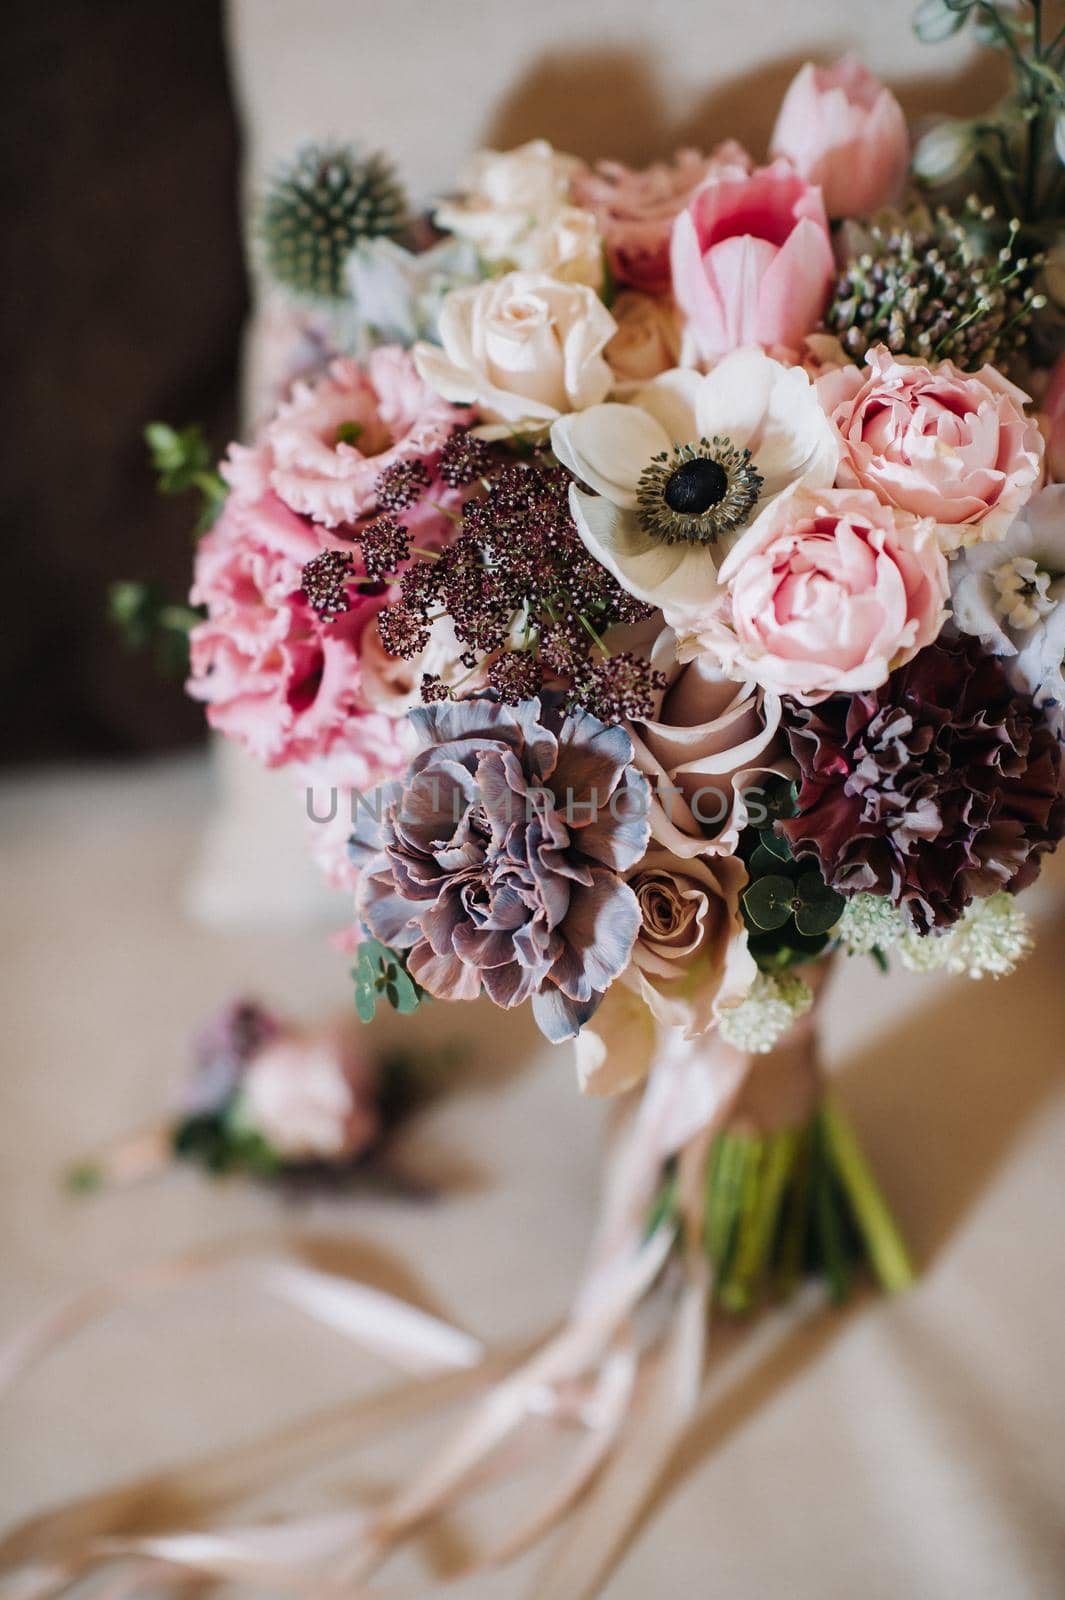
[(183, 462), (768, 903), (763, 862), (821, 906), (775, 844), (378, 972)]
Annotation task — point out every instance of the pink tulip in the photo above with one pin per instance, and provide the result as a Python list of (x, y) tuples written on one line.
[(841, 128), (752, 262)]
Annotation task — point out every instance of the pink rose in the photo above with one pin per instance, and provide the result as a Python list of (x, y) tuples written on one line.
[(828, 592), (1054, 414), (841, 128), (636, 210), (330, 442), (752, 261), (273, 675), (311, 1096), (934, 441)]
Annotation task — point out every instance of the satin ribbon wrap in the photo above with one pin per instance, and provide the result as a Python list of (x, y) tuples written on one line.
[(632, 1398)]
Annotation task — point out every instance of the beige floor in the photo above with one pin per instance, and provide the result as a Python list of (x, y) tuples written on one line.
[(914, 1448)]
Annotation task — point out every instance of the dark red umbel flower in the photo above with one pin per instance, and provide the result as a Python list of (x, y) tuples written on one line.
[(943, 786)]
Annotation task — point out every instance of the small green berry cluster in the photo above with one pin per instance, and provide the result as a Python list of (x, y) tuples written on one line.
[(934, 288)]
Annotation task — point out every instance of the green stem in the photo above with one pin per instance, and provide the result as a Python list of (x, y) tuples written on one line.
[(883, 1240), (759, 1222), (827, 1218)]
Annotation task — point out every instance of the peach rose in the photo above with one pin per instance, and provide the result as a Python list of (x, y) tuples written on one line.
[(827, 592), (523, 349), (690, 957), (647, 341), (842, 129), (752, 261), (954, 446)]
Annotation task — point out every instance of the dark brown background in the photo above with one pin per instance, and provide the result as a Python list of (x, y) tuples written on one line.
[(124, 295)]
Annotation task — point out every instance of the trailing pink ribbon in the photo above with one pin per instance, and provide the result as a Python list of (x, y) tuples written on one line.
[(630, 1402)]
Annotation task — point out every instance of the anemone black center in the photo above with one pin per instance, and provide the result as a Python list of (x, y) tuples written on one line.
[(695, 486)]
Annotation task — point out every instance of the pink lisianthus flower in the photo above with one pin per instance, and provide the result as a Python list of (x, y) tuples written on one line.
[(842, 129), (272, 673), (635, 210), (828, 592), (751, 261), (329, 443), (937, 442)]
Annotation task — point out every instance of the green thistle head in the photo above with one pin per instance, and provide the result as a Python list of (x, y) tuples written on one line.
[(315, 210), (937, 288)]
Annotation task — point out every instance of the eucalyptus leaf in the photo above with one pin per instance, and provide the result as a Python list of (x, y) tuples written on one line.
[(769, 902)]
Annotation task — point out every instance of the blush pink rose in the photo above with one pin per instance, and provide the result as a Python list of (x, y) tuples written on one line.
[(937, 442), (751, 261), (827, 592), (635, 210), (842, 129), (330, 442), (272, 674), (311, 1096)]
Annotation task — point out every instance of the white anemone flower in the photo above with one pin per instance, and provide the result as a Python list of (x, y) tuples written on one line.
[(686, 465), (1010, 594)]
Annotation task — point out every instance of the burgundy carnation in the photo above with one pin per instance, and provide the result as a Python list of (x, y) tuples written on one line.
[(942, 786)]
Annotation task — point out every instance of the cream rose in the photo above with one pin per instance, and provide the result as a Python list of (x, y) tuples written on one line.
[(569, 249), (523, 349), (508, 198), (647, 341)]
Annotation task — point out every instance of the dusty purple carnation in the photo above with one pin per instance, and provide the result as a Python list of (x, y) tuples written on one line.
[(495, 861), (943, 786)]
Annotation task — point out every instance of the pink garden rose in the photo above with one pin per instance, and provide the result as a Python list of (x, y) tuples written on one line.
[(330, 442), (751, 261), (636, 209), (828, 592), (842, 129), (936, 442)]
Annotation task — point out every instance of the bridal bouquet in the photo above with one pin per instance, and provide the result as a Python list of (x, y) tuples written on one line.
[(654, 579)]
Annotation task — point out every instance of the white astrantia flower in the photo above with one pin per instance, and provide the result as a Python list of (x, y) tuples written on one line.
[(1009, 595), (774, 1004), (691, 461), (988, 941), (870, 922)]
